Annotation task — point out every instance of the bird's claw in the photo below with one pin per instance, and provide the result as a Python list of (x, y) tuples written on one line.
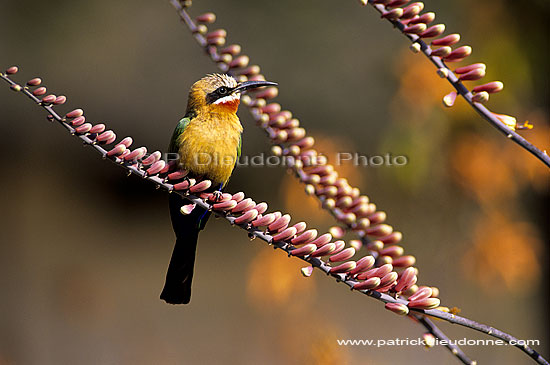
[(217, 196)]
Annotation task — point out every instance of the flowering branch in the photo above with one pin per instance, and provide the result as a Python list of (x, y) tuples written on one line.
[(343, 201), (245, 213), (414, 25)]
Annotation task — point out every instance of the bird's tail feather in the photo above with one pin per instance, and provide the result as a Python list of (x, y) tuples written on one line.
[(177, 287)]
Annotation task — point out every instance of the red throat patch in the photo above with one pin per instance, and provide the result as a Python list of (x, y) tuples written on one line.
[(233, 105)]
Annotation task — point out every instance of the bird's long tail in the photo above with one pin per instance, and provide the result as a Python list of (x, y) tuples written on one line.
[(177, 287)]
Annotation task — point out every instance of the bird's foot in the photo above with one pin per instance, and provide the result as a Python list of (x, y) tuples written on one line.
[(217, 196)]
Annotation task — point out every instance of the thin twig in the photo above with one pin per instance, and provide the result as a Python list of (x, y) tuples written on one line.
[(463, 91)]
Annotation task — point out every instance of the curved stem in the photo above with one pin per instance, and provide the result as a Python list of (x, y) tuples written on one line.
[(466, 94)]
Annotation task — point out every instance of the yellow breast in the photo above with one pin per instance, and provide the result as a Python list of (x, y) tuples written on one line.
[(208, 145)]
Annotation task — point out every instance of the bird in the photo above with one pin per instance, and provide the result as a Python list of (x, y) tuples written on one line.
[(207, 143)]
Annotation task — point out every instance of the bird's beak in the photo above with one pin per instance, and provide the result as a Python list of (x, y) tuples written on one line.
[(247, 85)]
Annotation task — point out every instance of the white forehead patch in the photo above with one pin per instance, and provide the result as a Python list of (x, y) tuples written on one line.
[(228, 99)]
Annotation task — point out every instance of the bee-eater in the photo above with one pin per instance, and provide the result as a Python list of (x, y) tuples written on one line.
[(208, 144)]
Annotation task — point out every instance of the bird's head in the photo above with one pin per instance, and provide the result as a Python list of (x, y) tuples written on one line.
[(219, 93)]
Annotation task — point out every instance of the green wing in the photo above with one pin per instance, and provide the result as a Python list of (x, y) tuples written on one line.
[(239, 148), (182, 124)]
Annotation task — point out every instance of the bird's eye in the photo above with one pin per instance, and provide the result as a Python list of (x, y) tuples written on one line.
[(222, 90)]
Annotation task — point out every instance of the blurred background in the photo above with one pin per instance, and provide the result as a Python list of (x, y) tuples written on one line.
[(85, 249)]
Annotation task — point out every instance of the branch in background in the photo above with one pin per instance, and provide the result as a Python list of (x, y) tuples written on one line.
[(414, 25), (343, 201), (346, 204)]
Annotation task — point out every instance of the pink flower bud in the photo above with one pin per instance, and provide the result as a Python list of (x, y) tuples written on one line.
[(75, 113), (459, 54), (136, 154), (344, 255), (375, 245), (48, 99), (285, 234), (388, 279), (233, 50), (187, 209), (507, 120), (247, 217), (105, 137), (263, 221), (324, 250), (404, 261), (78, 121), (448, 40), (244, 205), (427, 303), (261, 208), (117, 150), (392, 251), (219, 33), (280, 223), (216, 41), (251, 70), (152, 158), (307, 271), (271, 108), (474, 66), (84, 128), (449, 99), (184, 185), (490, 87), (268, 93), (240, 62), (12, 70), (34, 82), (339, 246), (379, 230), (238, 196), (127, 141), (369, 284), (412, 10), (480, 97), (397, 308), (201, 186), (396, 3), (393, 14), (376, 272), (408, 278), (415, 28), (363, 264), (343, 268), (433, 31), (303, 251), (377, 217), (39, 91), (60, 100), (156, 167), (206, 18), (306, 237), (422, 293), (226, 205), (357, 244), (98, 128), (476, 74), (442, 52), (425, 18), (322, 240)]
